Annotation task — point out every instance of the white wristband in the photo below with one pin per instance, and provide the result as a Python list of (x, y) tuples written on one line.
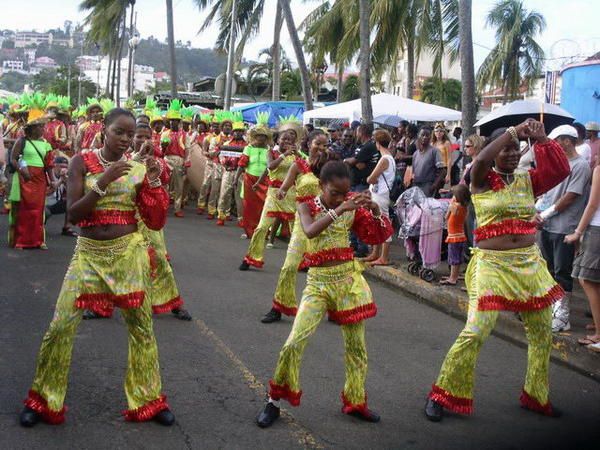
[(547, 213)]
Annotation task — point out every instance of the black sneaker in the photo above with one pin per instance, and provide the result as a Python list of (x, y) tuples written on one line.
[(165, 417), (244, 265), (271, 316), (89, 315), (182, 314), (434, 411), (267, 416), (28, 417)]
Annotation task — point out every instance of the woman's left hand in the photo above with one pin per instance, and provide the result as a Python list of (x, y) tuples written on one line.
[(153, 169)]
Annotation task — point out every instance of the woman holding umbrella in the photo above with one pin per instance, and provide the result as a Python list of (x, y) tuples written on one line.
[(507, 271)]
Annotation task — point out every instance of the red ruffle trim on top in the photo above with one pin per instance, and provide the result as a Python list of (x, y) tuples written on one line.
[(152, 203), (303, 165), (92, 164), (457, 405), (500, 303), (353, 315), (319, 258), (278, 392), (495, 181), (284, 309), (505, 227), (253, 262), (287, 217), (148, 411), (39, 404), (350, 407), (275, 183), (103, 304), (528, 402), (305, 198), (243, 161), (172, 304), (102, 217)]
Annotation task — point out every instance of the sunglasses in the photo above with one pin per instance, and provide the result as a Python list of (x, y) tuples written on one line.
[(468, 146)]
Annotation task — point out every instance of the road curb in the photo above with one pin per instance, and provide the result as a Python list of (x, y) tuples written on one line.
[(454, 302)]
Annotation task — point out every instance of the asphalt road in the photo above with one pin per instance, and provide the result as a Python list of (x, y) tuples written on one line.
[(215, 368)]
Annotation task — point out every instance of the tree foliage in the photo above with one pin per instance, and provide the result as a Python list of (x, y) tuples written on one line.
[(57, 82), (442, 93), (351, 88), (14, 81)]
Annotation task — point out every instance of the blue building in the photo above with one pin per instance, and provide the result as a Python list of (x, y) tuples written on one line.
[(580, 93)]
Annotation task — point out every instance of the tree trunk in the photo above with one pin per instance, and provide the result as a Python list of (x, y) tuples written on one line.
[(467, 68), (130, 55), (110, 53), (120, 57), (410, 73), (114, 66), (230, 58), (340, 82), (276, 54), (291, 26), (364, 8), (171, 38)]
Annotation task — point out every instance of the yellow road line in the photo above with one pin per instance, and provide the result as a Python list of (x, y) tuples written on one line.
[(301, 434)]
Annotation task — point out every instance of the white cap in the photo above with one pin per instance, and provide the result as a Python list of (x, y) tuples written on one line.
[(564, 130)]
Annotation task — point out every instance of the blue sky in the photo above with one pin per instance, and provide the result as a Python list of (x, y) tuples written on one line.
[(575, 22)]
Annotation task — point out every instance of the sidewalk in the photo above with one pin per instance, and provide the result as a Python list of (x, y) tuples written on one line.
[(453, 301)]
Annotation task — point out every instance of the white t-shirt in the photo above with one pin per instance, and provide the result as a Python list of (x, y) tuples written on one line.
[(386, 178), (585, 150)]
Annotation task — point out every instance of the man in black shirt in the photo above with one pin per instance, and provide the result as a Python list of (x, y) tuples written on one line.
[(365, 159)]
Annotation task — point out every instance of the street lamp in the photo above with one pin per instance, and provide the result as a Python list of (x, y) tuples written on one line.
[(320, 73), (98, 68), (133, 43)]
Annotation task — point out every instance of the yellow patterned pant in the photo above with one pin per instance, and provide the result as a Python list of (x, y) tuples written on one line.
[(454, 386), (228, 195), (100, 272), (284, 299), (343, 292), (176, 164), (206, 183)]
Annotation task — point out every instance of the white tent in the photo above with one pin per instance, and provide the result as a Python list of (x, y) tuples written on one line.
[(408, 109)]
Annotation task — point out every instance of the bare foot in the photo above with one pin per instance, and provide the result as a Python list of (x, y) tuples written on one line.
[(369, 258), (379, 262)]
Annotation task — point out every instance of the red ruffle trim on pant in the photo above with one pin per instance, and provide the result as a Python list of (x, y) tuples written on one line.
[(148, 411), (253, 262), (353, 315), (500, 303), (284, 309), (103, 304), (278, 392), (287, 217), (457, 405), (39, 404), (528, 402), (317, 259), (175, 303), (350, 407)]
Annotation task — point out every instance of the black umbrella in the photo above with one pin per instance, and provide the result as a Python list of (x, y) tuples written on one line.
[(517, 112)]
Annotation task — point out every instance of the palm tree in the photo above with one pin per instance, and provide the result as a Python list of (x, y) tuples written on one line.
[(276, 54), (171, 38), (517, 57), (365, 60), (467, 69), (291, 26), (291, 84), (443, 93)]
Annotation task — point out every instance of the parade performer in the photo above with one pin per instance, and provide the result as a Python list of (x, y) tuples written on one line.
[(335, 285), (33, 158), (303, 176), (229, 155), (507, 271), (176, 154), (55, 131), (110, 267), (204, 194), (279, 160), (253, 164), (225, 119), (88, 130), (157, 124)]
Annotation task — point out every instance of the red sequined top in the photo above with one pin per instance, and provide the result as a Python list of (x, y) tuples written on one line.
[(333, 244), (90, 131), (53, 131), (127, 196), (230, 159)]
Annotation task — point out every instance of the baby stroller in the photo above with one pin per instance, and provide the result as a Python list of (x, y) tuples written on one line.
[(422, 228)]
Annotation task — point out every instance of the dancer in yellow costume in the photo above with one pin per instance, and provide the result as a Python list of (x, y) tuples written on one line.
[(110, 267), (507, 271), (279, 160), (336, 285), (303, 176)]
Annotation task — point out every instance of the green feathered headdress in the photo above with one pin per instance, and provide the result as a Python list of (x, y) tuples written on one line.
[(155, 115), (64, 104), (129, 104), (291, 123), (35, 105), (175, 108), (106, 104), (51, 101), (151, 105), (92, 102), (262, 118), (187, 114), (206, 118)]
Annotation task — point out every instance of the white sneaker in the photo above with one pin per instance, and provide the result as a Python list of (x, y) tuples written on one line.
[(244, 236), (269, 245), (559, 325)]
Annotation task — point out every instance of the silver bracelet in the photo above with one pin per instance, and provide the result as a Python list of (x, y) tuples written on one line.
[(334, 216), (155, 183), (97, 189), (513, 133)]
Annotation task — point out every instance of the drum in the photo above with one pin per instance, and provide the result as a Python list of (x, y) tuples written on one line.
[(195, 173)]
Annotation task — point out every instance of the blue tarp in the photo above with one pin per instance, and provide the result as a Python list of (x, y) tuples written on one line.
[(580, 94), (275, 109)]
